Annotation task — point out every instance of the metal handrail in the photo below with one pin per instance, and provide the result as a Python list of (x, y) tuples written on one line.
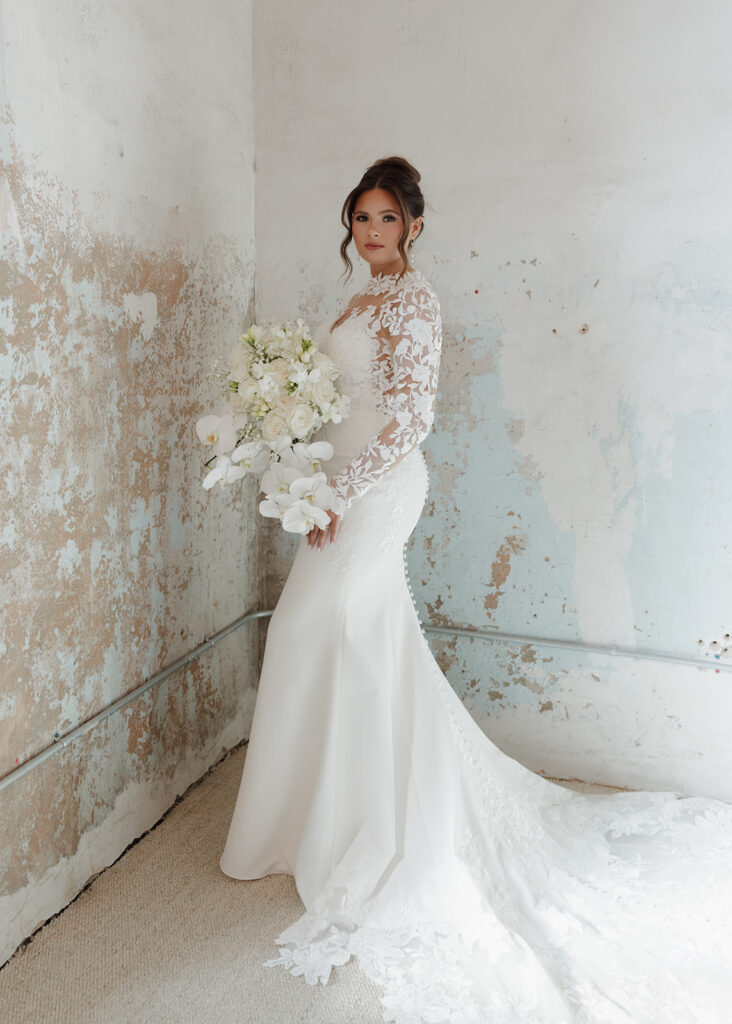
[(61, 742), (576, 645)]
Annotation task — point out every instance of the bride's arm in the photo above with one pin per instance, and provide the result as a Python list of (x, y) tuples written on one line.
[(412, 323)]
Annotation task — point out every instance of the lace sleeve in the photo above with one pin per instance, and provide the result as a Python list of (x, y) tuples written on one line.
[(411, 323)]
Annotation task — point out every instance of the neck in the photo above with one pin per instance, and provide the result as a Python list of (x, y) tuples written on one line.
[(388, 271)]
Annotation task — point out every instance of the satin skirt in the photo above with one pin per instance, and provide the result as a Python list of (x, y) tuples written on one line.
[(470, 889)]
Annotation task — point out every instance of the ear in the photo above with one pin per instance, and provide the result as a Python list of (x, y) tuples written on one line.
[(416, 225)]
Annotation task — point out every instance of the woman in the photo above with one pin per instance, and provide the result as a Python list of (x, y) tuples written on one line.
[(470, 889)]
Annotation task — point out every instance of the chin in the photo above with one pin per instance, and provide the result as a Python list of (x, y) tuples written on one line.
[(378, 259)]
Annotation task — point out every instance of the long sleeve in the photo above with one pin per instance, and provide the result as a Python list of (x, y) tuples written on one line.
[(411, 325)]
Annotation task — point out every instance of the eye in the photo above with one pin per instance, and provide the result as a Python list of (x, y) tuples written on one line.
[(360, 216), (389, 216)]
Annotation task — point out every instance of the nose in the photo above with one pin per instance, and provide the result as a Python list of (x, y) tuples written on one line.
[(374, 230)]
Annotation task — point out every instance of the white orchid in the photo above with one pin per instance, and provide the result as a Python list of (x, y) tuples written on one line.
[(276, 505), (302, 516), (280, 389), (224, 472), (278, 478), (308, 458), (281, 444), (252, 456), (313, 489), (217, 431)]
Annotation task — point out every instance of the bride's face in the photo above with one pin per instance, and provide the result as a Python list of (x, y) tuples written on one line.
[(377, 226)]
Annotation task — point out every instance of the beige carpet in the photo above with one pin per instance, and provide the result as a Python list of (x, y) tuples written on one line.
[(164, 937)]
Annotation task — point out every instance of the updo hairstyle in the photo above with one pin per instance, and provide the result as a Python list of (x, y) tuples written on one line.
[(397, 176)]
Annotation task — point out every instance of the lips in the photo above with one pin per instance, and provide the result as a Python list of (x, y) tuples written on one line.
[(372, 245)]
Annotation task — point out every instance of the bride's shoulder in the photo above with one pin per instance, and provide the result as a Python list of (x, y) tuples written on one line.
[(422, 286), (416, 294)]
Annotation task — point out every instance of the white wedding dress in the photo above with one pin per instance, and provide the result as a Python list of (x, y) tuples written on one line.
[(470, 889)]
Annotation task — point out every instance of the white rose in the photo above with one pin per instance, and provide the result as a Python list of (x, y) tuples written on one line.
[(248, 393), (300, 419), (239, 403), (322, 393), (279, 368), (239, 362), (326, 365), (274, 425)]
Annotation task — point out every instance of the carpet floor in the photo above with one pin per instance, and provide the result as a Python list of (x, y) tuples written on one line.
[(162, 936)]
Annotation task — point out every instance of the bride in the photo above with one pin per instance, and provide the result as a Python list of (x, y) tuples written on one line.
[(470, 889)]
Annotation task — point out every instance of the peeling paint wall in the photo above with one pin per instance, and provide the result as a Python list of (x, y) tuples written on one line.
[(127, 220), (577, 160)]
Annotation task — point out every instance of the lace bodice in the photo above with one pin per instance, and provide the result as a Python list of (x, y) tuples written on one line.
[(388, 342)]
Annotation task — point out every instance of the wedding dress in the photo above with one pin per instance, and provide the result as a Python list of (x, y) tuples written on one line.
[(470, 889)]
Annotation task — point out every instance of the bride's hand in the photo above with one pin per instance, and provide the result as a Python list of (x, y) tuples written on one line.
[(317, 537)]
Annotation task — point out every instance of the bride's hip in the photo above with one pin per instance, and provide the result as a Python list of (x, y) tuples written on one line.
[(394, 503), (370, 539)]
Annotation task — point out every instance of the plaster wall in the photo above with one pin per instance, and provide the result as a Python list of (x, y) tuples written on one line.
[(576, 159), (127, 220)]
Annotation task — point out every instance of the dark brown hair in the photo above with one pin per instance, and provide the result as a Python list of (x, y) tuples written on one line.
[(395, 175)]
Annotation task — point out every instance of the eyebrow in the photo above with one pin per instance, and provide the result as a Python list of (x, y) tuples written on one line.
[(380, 211)]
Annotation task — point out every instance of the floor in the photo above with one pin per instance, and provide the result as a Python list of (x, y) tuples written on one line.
[(162, 935)]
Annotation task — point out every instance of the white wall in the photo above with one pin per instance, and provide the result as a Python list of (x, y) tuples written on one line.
[(127, 234), (577, 158)]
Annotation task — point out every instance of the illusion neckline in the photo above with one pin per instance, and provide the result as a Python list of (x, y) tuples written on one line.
[(376, 282)]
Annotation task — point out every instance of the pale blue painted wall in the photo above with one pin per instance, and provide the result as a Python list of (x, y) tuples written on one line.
[(577, 160)]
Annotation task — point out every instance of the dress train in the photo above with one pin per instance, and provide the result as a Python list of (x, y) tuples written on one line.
[(470, 889)]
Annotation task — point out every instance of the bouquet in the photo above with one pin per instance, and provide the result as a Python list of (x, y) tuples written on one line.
[(280, 389)]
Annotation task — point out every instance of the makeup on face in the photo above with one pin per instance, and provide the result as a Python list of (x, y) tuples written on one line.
[(376, 226)]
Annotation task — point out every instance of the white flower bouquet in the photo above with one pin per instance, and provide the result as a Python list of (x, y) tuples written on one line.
[(281, 389)]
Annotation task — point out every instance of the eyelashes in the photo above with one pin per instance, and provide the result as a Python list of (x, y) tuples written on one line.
[(362, 217)]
